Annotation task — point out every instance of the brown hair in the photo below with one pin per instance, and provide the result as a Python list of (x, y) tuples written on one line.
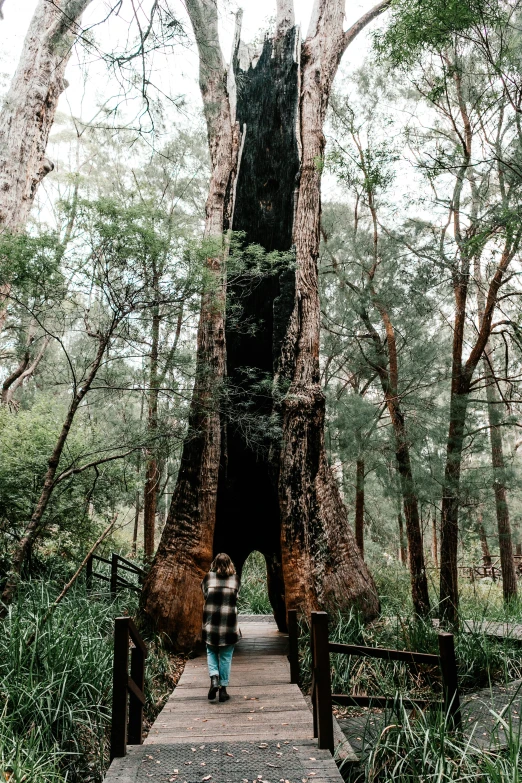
[(222, 565)]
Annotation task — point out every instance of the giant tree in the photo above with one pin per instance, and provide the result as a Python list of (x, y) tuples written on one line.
[(273, 491)]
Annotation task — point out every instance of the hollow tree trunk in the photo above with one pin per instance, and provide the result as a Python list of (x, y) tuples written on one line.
[(29, 108), (270, 487), (359, 505)]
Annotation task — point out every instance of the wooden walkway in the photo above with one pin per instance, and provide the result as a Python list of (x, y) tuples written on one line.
[(264, 733)]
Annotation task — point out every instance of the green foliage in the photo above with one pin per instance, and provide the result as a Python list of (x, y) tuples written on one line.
[(253, 595), (419, 25), (56, 691)]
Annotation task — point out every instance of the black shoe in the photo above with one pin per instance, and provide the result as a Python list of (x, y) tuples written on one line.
[(214, 685), (223, 695)]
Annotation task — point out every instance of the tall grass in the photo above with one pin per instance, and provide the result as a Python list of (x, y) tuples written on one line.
[(55, 692), (421, 746), (253, 595)]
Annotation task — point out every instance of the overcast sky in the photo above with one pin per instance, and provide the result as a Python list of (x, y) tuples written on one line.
[(175, 75)]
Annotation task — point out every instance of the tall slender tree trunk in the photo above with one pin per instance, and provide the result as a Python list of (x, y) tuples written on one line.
[(359, 505), (434, 541), (486, 554), (137, 509), (275, 491), (507, 563), (152, 473), (28, 112), (403, 550)]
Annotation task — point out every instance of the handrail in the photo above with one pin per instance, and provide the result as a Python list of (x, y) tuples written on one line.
[(293, 646), (128, 695), (384, 653), (117, 563), (322, 697)]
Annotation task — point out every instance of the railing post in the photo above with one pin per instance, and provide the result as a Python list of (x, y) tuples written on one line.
[(114, 575), (323, 685), (120, 678), (448, 666), (137, 673), (88, 574), (314, 688), (293, 646)]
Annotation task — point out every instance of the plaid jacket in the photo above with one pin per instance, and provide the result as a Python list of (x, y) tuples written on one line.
[(220, 612)]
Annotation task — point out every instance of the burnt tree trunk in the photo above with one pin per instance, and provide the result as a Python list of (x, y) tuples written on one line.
[(271, 483)]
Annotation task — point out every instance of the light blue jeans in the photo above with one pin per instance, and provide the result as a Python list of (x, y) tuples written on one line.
[(219, 661)]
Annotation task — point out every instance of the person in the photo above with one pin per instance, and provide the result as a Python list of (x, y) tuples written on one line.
[(220, 631)]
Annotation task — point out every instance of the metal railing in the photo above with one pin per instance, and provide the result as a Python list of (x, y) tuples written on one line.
[(323, 698), (128, 696)]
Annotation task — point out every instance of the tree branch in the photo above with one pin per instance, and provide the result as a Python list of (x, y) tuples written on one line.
[(95, 463), (364, 20)]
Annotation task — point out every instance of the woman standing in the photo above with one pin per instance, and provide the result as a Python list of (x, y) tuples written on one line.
[(220, 632)]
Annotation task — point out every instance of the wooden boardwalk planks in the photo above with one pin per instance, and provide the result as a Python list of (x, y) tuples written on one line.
[(265, 729)]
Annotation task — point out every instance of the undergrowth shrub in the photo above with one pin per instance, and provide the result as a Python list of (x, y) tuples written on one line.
[(253, 595), (56, 690)]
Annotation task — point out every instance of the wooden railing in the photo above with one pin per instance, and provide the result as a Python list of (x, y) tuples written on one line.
[(293, 645), (323, 698), (491, 567), (128, 695), (117, 564)]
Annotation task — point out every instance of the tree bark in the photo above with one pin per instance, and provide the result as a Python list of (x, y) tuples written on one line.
[(28, 111), (359, 505), (172, 595), (275, 491)]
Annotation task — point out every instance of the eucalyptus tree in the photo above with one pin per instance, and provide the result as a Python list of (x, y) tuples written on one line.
[(29, 109), (470, 155), (287, 492)]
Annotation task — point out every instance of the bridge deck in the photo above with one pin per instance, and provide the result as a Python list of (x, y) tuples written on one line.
[(264, 733)]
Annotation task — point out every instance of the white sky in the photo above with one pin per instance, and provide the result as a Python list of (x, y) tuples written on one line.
[(176, 74)]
